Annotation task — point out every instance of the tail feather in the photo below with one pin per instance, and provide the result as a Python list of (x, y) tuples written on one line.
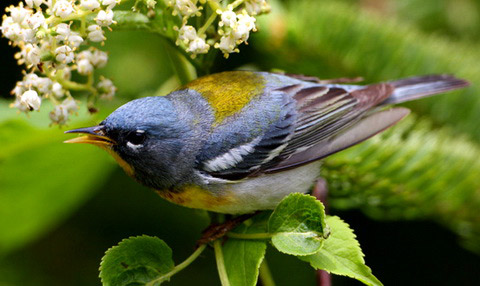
[(422, 86)]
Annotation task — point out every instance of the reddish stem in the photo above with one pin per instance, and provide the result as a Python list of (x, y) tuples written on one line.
[(323, 278), (320, 191)]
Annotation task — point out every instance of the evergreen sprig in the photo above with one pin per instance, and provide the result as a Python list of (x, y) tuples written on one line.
[(411, 171), (344, 41)]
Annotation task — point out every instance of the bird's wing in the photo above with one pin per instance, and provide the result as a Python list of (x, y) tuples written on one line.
[(362, 130), (325, 113), (308, 125), (240, 146)]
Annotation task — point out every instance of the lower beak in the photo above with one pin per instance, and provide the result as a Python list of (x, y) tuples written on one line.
[(94, 135)]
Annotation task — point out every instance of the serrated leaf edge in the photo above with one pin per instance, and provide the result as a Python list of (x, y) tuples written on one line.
[(102, 261), (297, 196), (362, 255)]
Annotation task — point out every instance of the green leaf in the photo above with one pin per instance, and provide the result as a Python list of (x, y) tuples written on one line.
[(136, 261), (42, 180), (341, 254), (298, 225), (244, 256)]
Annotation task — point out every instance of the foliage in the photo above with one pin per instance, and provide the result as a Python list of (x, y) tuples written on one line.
[(352, 44), (30, 204), (423, 169), (454, 196), (425, 178), (244, 257), (147, 260), (341, 254), (136, 260), (298, 225)]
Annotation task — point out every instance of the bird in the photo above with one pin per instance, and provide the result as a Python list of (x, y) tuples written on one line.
[(238, 142)]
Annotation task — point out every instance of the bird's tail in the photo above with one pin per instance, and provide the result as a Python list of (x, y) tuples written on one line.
[(422, 86)]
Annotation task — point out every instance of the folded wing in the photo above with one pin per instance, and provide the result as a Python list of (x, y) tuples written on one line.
[(308, 126)]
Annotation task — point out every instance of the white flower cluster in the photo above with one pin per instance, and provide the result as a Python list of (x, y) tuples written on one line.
[(236, 22), (235, 30), (50, 35), (195, 44), (255, 7)]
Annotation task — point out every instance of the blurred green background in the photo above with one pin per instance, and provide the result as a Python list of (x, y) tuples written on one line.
[(62, 206)]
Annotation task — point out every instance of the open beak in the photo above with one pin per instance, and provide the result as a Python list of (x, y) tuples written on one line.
[(94, 135)]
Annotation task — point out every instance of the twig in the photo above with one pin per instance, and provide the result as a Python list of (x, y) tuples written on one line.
[(179, 267), (323, 278), (265, 275), (222, 271), (216, 231), (320, 191)]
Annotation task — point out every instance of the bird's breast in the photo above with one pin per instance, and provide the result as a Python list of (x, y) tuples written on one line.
[(246, 196)]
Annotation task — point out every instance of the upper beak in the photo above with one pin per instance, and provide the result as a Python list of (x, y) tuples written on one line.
[(95, 135)]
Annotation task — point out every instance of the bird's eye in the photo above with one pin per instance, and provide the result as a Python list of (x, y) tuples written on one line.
[(136, 137)]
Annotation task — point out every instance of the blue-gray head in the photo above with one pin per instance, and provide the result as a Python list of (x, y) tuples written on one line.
[(145, 137)]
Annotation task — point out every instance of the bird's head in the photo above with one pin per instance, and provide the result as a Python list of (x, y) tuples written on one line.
[(145, 137)]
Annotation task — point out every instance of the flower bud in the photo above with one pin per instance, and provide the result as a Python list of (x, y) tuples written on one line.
[(99, 59), (64, 54), (34, 3), (109, 3), (18, 14), (63, 8), (106, 88), (43, 84), (57, 90), (11, 30), (59, 115), (36, 20), (32, 56), (198, 46), (90, 4), (63, 31), (229, 19), (74, 40), (187, 33), (31, 99), (95, 33), (227, 44), (104, 18), (84, 67), (70, 105)]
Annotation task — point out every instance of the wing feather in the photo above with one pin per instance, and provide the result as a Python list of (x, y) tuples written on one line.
[(364, 129), (312, 120), (261, 150), (311, 115), (321, 118)]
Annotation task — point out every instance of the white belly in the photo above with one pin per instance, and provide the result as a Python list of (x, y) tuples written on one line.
[(265, 192)]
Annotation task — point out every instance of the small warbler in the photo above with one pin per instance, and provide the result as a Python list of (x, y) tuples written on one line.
[(238, 142)]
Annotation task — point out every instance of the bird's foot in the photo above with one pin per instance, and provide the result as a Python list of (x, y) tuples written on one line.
[(215, 231)]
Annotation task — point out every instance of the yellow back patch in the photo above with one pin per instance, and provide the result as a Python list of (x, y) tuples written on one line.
[(228, 92)]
